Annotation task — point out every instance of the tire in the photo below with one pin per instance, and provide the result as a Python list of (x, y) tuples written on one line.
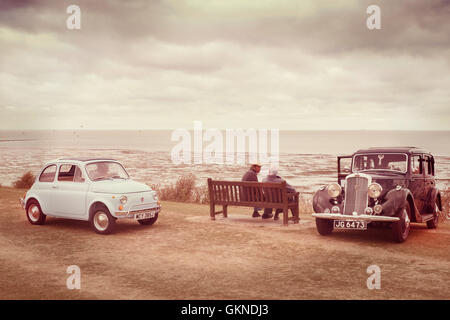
[(324, 226), (432, 224), (34, 213), (150, 221), (400, 229), (102, 221)]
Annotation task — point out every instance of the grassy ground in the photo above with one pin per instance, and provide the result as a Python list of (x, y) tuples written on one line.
[(186, 255)]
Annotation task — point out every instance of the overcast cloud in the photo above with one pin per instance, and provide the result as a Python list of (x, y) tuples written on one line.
[(268, 64)]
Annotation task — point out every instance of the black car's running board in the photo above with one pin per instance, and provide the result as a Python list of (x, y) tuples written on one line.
[(427, 217)]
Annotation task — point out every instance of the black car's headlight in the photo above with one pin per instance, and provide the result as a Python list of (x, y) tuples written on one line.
[(334, 190), (374, 190)]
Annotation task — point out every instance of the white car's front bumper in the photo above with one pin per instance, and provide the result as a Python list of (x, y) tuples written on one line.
[(360, 217), (131, 213)]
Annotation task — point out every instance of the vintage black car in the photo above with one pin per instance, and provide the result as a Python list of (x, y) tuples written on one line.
[(381, 187)]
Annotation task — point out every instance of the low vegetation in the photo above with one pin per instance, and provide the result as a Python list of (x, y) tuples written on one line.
[(186, 190), (445, 198), (25, 182)]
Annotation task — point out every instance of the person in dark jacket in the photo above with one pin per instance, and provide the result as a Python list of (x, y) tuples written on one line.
[(274, 177), (252, 175)]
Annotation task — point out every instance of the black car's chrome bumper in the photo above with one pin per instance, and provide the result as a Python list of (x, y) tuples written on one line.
[(360, 217)]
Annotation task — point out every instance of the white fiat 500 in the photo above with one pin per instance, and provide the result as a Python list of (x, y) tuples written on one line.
[(96, 190)]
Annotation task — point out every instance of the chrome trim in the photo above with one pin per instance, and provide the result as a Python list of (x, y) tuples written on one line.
[(362, 217), (356, 175), (131, 213)]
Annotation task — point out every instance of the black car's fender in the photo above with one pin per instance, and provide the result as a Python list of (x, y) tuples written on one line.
[(396, 199), (433, 197), (322, 201)]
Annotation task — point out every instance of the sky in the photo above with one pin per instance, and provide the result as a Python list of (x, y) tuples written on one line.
[(297, 65)]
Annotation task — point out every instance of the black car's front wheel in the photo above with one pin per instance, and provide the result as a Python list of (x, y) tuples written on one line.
[(324, 226), (400, 229)]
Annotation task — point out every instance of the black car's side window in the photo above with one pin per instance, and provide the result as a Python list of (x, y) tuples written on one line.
[(428, 163), (416, 164)]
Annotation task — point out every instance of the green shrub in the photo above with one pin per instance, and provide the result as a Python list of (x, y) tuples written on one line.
[(25, 182), (445, 199), (184, 190)]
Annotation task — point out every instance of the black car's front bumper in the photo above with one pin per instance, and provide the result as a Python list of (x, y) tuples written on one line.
[(360, 217)]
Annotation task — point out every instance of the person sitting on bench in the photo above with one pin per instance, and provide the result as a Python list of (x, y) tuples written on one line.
[(274, 177), (252, 175)]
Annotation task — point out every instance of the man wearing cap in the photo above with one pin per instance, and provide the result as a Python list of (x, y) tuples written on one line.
[(275, 178), (252, 175)]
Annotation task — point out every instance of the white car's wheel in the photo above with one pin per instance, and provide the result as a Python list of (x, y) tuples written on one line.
[(103, 222), (34, 212)]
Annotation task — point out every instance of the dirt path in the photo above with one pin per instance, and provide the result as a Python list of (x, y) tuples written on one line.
[(185, 255)]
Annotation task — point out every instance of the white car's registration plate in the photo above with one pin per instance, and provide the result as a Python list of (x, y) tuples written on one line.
[(145, 215), (350, 224)]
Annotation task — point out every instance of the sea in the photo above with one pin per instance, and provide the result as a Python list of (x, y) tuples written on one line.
[(307, 159)]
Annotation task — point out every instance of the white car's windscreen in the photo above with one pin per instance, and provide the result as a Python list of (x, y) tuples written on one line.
[(106, 170)]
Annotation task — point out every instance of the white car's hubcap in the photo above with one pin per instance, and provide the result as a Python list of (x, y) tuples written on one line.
[(101, 221), (33, 213)]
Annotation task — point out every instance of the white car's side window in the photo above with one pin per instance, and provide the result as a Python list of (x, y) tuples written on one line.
[(48, 175), (78, 175), (70, 173)]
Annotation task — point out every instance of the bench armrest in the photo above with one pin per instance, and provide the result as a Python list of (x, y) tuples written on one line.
[(293, 195)]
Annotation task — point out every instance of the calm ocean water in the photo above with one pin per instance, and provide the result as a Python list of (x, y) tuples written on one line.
[(307, 158)]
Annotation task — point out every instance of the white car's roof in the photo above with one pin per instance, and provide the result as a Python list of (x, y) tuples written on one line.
[(79, 160)]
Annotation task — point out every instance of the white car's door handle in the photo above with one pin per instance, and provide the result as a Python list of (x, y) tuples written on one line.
[(55, 187)]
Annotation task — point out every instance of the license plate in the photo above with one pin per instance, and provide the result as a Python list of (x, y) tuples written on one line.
[(145, 215), (350, 224)]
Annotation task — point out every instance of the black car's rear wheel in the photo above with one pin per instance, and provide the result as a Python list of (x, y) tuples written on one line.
[(400, 229), (432, 224), (324, 226)]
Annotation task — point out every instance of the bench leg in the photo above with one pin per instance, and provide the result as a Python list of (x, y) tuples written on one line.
[(212, 211), (285, 216), (225, 212)]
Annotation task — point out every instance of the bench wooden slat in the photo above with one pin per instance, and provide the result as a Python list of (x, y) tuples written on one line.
[(252, 194)]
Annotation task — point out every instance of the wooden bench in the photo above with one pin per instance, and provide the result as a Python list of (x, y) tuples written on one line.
[(252, 194)]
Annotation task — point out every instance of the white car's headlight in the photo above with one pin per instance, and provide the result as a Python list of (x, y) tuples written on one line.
[(334, 190), (375, 190), (123, 199)]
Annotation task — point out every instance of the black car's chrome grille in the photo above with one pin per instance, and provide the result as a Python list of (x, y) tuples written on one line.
[(356, 194)]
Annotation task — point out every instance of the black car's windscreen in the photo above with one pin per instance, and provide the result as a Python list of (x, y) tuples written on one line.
[(106, 170), (381, 162)]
